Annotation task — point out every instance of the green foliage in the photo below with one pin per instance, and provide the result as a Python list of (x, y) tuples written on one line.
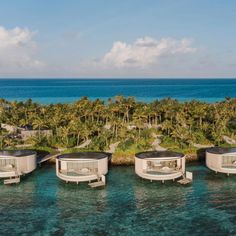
[(169, 142), (132, 123), (200, 137), (98, 144), (42, 148), (127, 144)]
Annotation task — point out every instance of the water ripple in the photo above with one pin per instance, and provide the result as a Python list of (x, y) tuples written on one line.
[(126, 206)]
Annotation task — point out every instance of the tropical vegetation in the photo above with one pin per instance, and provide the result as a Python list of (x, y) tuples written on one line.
[(134, 125)]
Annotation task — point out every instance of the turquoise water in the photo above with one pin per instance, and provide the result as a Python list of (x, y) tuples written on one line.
[(44, 205), (69, 90)]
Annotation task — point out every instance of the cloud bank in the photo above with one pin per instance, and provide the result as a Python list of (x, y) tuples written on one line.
[(144, 57), (145, 52), (17, 51)]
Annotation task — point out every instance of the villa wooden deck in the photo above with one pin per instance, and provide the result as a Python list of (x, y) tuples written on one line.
[(97, 184), (184, 181), (12, 181), (187, 178)]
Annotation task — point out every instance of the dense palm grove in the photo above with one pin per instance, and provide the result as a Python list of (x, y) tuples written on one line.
[(179, 124)]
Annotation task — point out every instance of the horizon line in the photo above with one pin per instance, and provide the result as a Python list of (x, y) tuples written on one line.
[(116, 78)]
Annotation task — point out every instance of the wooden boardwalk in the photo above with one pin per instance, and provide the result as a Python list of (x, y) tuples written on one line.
[(46, 158)]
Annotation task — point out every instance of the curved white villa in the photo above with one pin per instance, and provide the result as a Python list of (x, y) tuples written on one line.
[(160, 165), (82, 166), (16, 163), (221, 160)]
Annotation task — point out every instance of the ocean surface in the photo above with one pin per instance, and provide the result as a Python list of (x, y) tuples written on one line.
[(44, 205), (69, 90)]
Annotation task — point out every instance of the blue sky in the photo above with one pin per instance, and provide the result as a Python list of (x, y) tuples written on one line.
[(109, 38)]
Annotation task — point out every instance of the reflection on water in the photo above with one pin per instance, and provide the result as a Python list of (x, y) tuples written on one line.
[(128, 205)]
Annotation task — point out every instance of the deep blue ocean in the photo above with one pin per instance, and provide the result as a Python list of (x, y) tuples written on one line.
[(69, 90)]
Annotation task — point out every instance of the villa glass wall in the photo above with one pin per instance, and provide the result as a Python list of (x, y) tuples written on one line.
[(7, 164), (80, 168), (162, 167), (229, 161)]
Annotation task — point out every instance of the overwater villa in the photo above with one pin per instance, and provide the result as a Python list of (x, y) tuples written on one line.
[(160, 165), (14, 164), (83, 167), (221, 160)]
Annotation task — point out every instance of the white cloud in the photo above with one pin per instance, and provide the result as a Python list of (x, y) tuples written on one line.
[(145, 52), (17, 50), (145, 57)]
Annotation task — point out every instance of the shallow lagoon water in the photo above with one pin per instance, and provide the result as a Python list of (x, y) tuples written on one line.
[(43, 205)]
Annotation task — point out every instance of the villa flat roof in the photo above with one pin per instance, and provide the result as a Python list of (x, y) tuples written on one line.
[(85, 155), (17, 153), (221, 150), (159, 154)]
